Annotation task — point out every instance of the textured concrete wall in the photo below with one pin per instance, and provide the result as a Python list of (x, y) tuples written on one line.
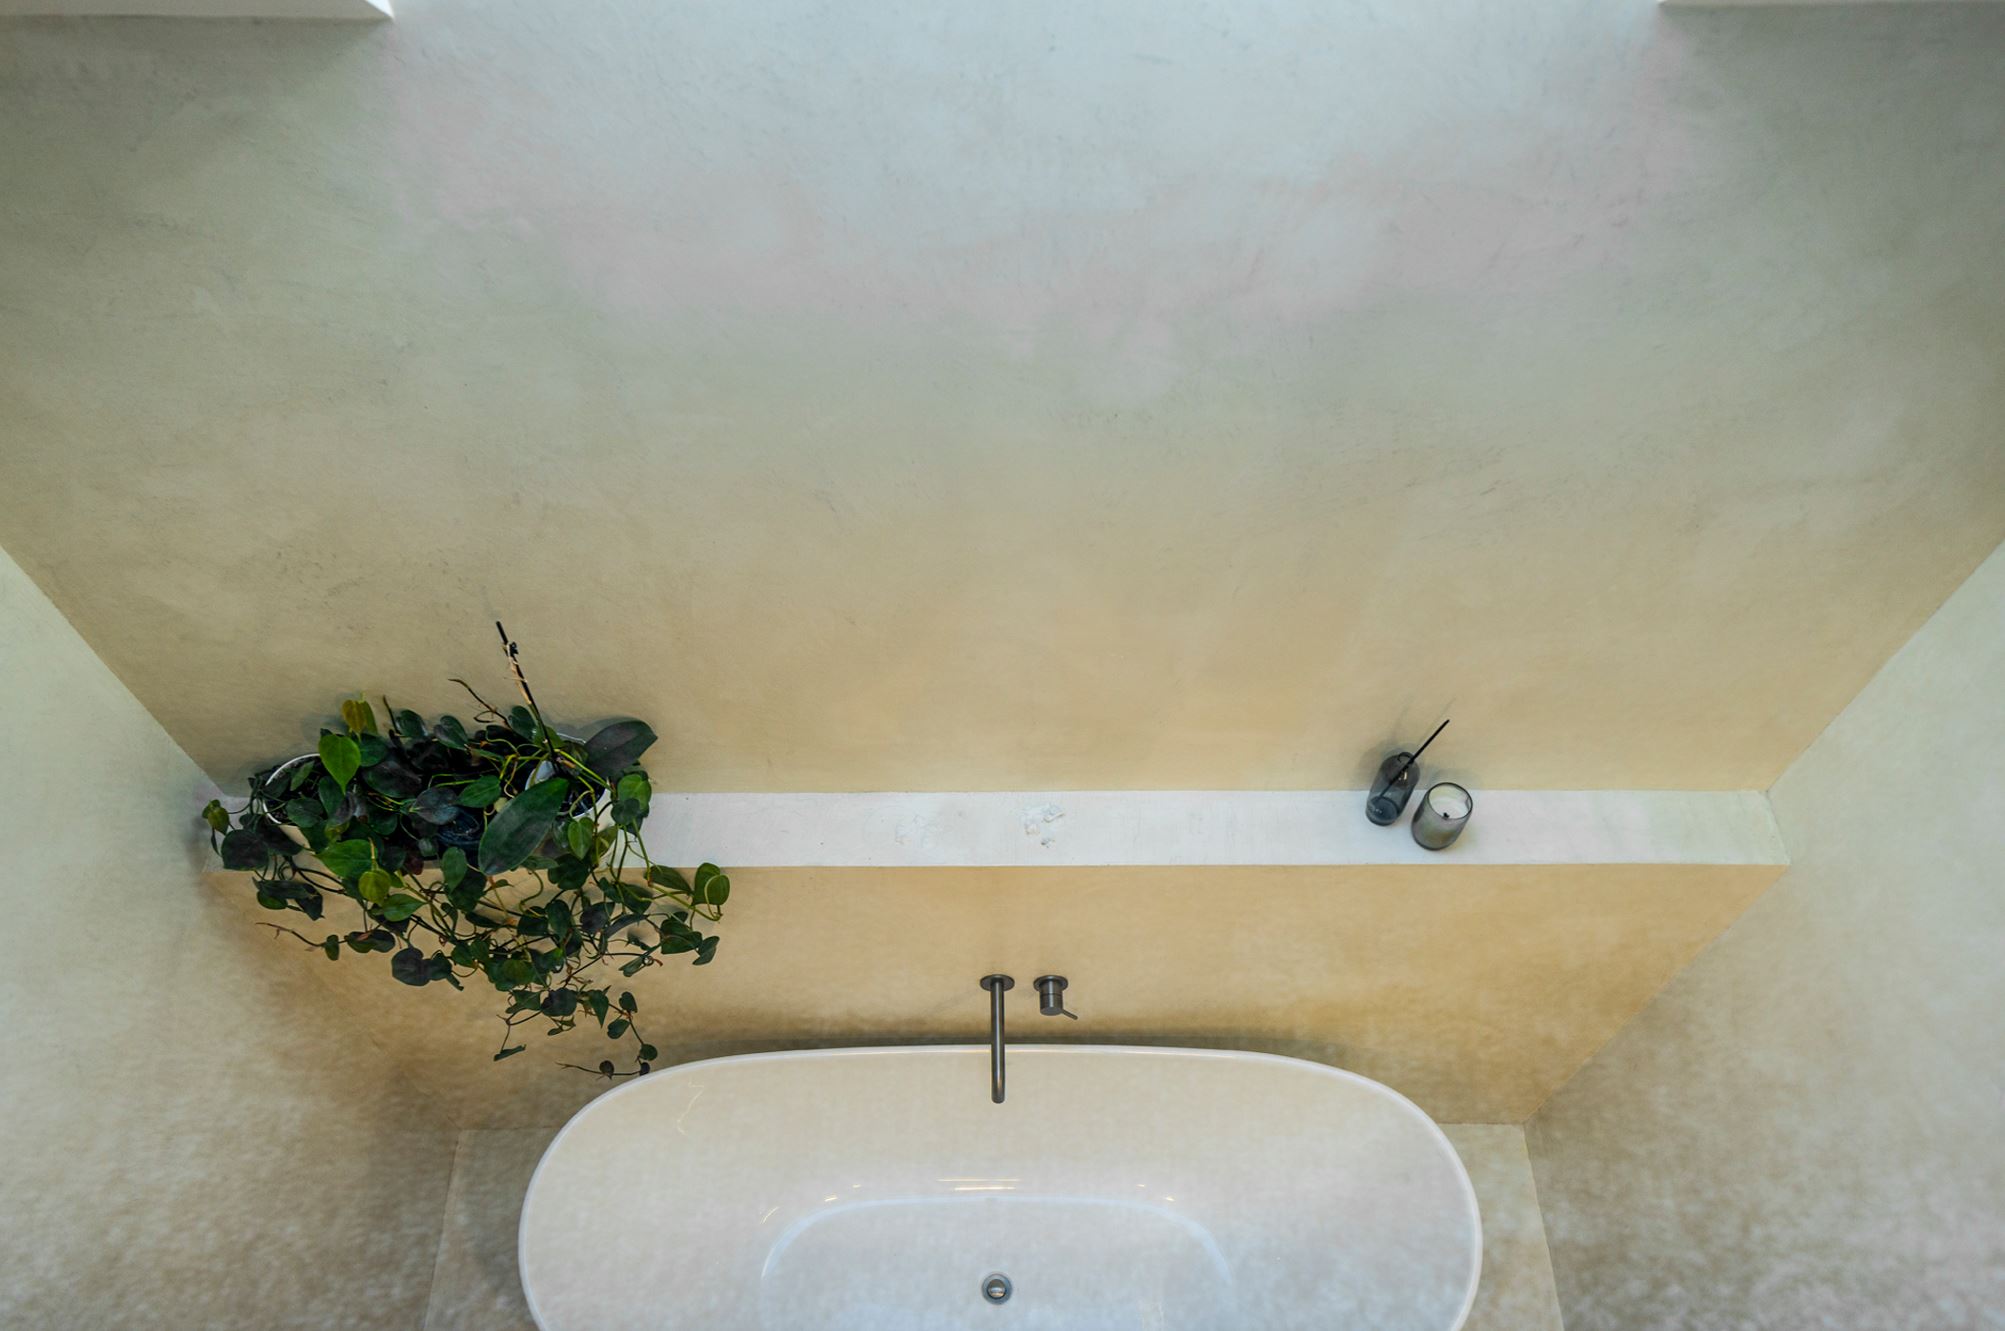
[(192, 1137), (1804, 1129)]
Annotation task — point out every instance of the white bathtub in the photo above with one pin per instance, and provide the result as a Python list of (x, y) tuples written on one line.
[(1117, 1188)]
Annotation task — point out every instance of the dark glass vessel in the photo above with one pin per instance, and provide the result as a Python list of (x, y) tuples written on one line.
[(1388, 796), (1441, 815)]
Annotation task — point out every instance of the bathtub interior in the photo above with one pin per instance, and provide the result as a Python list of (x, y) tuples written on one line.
[(1116, 1188)]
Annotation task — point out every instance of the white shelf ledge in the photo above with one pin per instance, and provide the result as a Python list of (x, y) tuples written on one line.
[(364, 10), (984, 829)]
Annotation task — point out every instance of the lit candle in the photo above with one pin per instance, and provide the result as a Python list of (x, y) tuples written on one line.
[(1449, 801), (1444, 811)]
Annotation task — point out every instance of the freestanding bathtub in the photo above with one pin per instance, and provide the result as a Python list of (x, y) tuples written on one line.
[(1116, 1188)]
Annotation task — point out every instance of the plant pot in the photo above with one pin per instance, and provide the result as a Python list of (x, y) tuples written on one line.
[(583, 804), (465, 830)]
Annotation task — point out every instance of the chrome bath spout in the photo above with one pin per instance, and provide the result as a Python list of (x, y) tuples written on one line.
[(997, 985)]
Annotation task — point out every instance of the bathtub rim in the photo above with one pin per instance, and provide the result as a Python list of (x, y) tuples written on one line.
[(1069, 1048)]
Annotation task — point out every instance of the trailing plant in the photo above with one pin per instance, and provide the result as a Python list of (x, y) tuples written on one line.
[(498, 850)]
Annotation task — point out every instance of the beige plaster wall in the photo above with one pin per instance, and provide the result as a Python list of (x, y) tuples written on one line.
[(1473, 989), (191, 1135), (1044, 396), (1807, 1128)]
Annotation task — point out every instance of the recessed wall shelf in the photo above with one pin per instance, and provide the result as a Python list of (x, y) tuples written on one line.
[(992, 829)]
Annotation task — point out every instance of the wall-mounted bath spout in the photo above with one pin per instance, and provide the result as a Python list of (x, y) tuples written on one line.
[(997, 985), (1051, 996)]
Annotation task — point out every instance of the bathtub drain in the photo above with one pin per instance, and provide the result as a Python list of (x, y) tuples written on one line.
[(996, 1288)]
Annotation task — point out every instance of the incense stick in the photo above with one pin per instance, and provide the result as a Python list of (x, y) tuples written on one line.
[(1416, 755)]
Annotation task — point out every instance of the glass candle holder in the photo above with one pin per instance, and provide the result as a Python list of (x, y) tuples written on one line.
[(1388, 797), (1441, 815)]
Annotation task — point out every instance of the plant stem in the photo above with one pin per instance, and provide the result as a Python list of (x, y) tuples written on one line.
[(515, 668)]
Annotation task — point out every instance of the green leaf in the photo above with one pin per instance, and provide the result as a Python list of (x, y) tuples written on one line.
[(332, 947), (465, 894), (510, 1052), (711, 886), (705, 951), (522, 825), (300, 774), (570, 873), (616, 1028), (408, 723), (329, 794), (663, 876), (412, 967), (560, 1002), (303, 813), (340, 757), (649, 1053), (633, 967), (578, 835), (627, 1003), (358, 716), (450, 732), (595, 999), (634, 786), (606, 1067), (373, 749), (481, 793), (617, 747), (392, 778), (630, 895), (244, 849), (400, 906), (276, 840), (522, 721), (437, 805), (376, 885), (216, 816), (452, 866)]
